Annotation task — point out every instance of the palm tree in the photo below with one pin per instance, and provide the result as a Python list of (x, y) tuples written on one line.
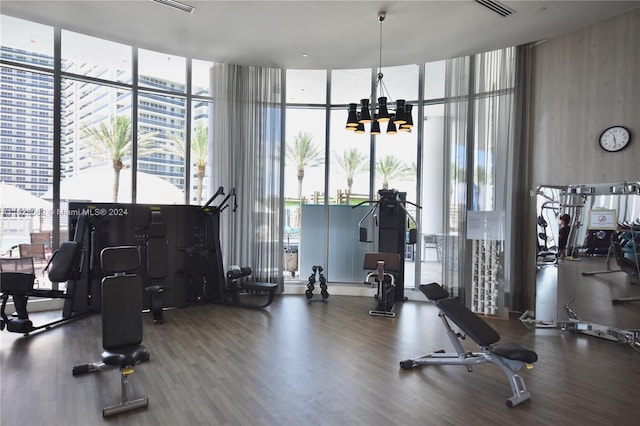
[(352, 162), (303, 153), (389, 168), (115, 140), (199, 153)]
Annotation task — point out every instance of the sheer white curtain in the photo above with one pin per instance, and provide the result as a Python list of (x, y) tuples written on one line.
[(479, 146), (246, 155), (456, 115)]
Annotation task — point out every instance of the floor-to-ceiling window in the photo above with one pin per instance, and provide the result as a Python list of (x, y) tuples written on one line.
[(478, 148), (449, 160), (395, 162), (433, 169), (304, 179), (200, 135), (26, 130)]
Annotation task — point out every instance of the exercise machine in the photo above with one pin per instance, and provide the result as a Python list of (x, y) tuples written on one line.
[(383, 270), (510, 357), (627, 238), (545, 254), (68, 264), (390, 216), (122, 329), (156, 253), (238, 289), (576, 324), (182, 262), (242, 291), (317, 269)]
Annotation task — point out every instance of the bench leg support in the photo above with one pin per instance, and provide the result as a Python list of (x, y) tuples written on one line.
[(125, 404)]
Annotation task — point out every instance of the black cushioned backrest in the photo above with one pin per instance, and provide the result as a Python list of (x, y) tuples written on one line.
[(121, 298), (391, 261), (434, 291), (157, 247), (470, 323), (121, 311), (64, 262), (119, 259)]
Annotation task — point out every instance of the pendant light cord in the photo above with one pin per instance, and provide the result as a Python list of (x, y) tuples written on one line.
[(381, 90)]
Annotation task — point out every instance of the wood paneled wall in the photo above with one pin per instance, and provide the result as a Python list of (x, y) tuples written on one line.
[(584, 82)]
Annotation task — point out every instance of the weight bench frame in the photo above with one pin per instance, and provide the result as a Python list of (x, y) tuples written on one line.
[(510, 357), (577, 325)]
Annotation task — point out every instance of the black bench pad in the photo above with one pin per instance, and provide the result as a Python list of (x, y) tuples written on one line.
[(234, 274), (259, 286), (470, 323), (434, 291), (515, 352)]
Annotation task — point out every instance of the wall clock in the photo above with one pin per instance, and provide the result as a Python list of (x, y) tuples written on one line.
[(615, 138)]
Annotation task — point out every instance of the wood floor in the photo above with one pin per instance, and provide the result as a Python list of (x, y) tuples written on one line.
[(314, 364)]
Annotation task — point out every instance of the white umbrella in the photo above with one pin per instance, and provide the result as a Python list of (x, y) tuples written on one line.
[(20, 211), (16, 198), (96, 185)]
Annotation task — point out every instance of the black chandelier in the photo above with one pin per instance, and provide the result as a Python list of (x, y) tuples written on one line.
[(399, 121)]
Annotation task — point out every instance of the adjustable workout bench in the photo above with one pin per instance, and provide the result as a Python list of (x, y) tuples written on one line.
[(122, 326), (510, 357)]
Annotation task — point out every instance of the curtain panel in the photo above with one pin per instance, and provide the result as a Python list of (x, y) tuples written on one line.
[(479, 152), (245, 156)]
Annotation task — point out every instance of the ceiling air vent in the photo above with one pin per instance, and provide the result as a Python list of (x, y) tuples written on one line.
[(498, 8), (176, 5)]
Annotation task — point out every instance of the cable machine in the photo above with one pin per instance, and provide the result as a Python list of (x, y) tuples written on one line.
[(390, 216)]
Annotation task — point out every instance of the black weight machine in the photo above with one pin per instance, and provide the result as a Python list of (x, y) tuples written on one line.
[(317, 269), (181, 257), (546, 255), (390, 216), (70, 263), (238, 289)]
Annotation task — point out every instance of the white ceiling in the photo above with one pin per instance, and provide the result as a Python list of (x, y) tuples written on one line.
[(333, 34)]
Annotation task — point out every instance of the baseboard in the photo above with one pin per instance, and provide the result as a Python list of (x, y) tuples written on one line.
[(344, 289), (38, 305)]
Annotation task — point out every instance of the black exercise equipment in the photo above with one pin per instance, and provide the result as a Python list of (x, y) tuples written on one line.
[(65, 265), (157, 252), (390, 216), (317, 269), (510, 357), (182, 262), (384, 269), (597, 242), (237, 289), (545, 255), (241, 291), (618, 239), (121, 323)]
